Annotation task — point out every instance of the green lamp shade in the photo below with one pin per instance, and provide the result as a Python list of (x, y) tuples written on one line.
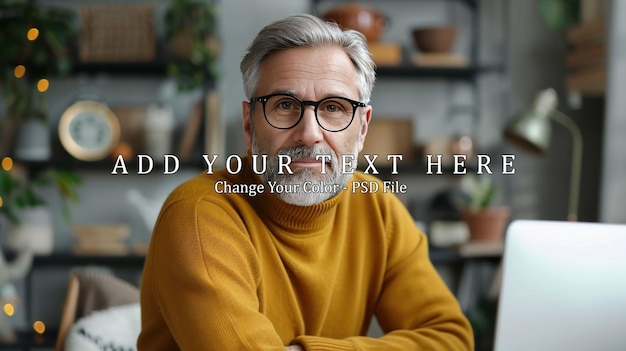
[(530, 131)]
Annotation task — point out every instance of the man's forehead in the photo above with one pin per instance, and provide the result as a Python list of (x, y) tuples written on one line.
[(308, 71)]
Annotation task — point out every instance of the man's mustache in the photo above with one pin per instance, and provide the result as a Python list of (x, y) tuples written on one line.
[(301, 152)]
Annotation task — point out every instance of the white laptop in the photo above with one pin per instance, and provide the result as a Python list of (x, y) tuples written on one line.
[(563, 287)]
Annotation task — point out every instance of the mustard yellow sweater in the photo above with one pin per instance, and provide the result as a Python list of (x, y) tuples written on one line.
[(237, 272)]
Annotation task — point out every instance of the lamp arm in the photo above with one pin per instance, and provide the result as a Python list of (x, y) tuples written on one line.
[(577, 156)]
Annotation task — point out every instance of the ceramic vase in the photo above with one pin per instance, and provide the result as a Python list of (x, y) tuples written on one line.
[(33, 141), (35, 230)]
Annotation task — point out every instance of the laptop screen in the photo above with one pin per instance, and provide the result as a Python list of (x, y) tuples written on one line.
[(563, 287)]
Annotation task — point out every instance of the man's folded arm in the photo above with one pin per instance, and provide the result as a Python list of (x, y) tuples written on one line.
[(206, 284)]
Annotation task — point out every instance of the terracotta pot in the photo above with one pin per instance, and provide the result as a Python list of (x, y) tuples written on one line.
[(488, 225), (362, 18), (435, 39)]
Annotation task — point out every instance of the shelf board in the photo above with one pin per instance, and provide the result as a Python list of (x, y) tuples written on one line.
[(470, 3), (401, 71), (408, 71), (121, 68), (31, 340), (67, 258)]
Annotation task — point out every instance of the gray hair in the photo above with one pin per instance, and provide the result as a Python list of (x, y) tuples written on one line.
[(308, 31)]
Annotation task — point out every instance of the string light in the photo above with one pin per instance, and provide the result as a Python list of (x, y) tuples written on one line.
[(8, 309), (43, 85), (39, 327), (19, 71), (7, 163), (32, 34)]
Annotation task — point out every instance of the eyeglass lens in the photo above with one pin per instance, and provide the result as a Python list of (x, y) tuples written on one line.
[(284, 111)]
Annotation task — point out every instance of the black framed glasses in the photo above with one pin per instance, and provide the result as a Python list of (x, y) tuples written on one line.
[(284, 111)]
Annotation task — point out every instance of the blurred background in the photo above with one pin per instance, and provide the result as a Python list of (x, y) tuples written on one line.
[(102, 90)]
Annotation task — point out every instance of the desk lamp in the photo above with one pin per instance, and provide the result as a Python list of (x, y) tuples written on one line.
[(531, 131)]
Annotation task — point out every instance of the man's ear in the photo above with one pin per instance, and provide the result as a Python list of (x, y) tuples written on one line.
[(247, 123), (366, 116)]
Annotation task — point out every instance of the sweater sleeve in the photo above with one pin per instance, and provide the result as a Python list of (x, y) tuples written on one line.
[(416, 310), (205, 278)]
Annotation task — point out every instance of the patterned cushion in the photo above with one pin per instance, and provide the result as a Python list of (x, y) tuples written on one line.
[(112, 329)]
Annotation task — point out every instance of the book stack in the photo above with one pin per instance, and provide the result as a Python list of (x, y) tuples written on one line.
[(101, 239), (385, 53), (587, 50), (439, 59), (481, 249), (587, 58)]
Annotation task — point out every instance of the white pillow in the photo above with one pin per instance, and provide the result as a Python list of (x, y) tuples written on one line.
[(115, 328)]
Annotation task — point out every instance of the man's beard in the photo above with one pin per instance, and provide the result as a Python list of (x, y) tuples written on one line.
[(333, 180)]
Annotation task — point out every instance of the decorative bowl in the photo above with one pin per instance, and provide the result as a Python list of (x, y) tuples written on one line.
[(435, 39)]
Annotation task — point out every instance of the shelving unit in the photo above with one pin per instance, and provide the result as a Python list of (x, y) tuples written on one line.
[(146, 54), (119, 79), (471, 20), (471, 73), (136, 70), (156, 68)]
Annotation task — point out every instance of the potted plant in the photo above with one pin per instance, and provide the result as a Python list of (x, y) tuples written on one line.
[(28, 218), (25, 212), (190, 27), (35, 44), (485, 221), (559, 14)]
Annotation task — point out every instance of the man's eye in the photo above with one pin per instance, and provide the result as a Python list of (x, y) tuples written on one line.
[(332, 108), (286, 105)]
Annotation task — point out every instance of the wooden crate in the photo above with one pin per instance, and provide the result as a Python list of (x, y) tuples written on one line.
[(117, 33), (389, 136)]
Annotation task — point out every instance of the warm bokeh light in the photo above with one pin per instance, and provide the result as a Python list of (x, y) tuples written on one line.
[(19, 71), (32, 34), (1, 201), (122, 149), (7, 163), (8, 309), (42, 85), (39, 327)]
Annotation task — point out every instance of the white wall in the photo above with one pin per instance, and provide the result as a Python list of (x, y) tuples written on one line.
[(613, 191)]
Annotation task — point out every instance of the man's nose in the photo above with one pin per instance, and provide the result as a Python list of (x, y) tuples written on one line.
[(308, 132)]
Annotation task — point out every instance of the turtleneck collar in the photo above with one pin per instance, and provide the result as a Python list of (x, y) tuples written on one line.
[(292, 218)]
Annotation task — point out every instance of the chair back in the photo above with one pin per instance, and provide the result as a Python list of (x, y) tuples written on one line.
[(92, 290)]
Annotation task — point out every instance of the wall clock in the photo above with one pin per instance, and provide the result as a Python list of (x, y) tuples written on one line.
[(89, 130)]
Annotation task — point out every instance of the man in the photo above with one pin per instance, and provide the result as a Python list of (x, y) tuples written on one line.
[(304, 263)]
